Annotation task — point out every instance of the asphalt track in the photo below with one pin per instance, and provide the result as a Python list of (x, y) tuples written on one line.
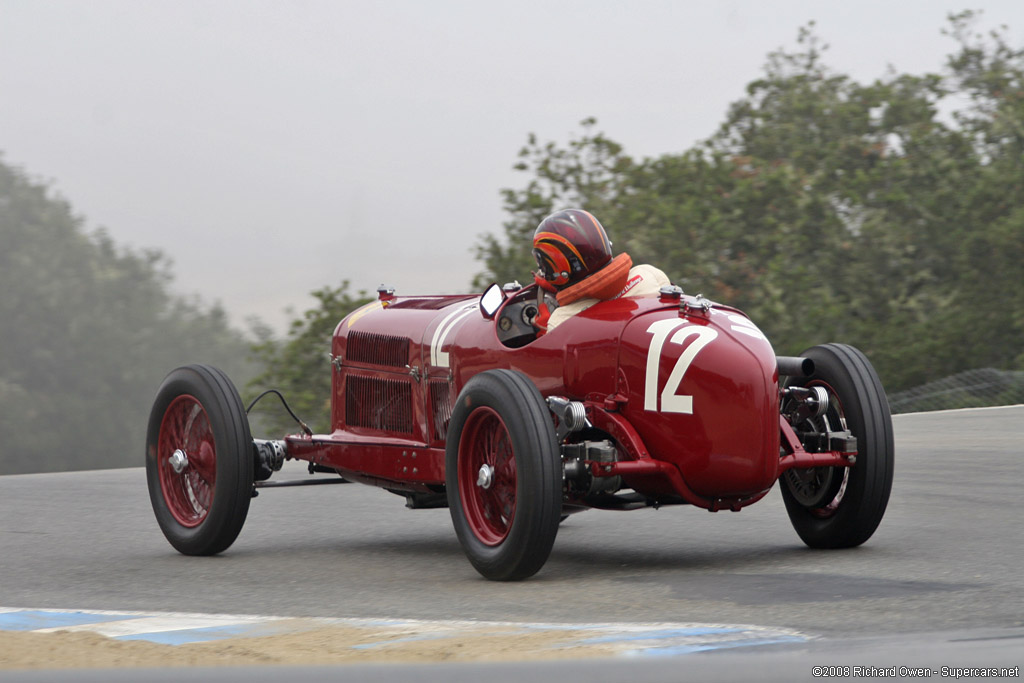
[(940, 580)]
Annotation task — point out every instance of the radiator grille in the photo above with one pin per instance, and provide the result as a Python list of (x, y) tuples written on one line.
[(384, 404), (378, 349), (440, 408)]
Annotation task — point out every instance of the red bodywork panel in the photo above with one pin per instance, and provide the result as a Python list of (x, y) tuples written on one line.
[(691, 398)]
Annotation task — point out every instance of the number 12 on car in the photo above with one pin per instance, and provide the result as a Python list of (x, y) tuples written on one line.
[(680, 331)]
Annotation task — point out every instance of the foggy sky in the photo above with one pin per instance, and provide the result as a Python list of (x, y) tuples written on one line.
[(271, 148)]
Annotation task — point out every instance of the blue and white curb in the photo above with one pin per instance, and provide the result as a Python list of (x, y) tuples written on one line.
[(180, 628), (169, 628)]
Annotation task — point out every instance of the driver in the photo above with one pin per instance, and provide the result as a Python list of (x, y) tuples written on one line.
[(577, 269)]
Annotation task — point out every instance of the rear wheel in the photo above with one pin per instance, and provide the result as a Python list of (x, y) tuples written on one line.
[(199, 460), (840, 507), (503, 475)]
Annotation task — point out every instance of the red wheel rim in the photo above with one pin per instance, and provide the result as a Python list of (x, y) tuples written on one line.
[(489, 502), (188, 493), (833, 420)]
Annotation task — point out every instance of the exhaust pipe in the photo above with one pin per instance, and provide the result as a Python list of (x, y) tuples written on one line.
[(795, 366)]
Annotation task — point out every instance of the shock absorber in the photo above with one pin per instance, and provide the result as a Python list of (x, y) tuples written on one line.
[(572, 416)]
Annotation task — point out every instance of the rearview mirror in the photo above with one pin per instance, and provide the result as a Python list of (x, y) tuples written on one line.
[(491, 301)]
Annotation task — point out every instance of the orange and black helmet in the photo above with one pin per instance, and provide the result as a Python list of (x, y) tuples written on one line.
[(569, 246)]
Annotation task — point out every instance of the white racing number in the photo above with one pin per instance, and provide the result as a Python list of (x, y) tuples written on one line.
[(670, 401)]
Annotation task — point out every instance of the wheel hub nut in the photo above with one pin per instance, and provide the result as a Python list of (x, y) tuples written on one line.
[(178, 461), (485, 477)]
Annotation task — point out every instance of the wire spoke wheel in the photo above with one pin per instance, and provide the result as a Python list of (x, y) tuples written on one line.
[(185, 430), (841, 507), (487, 476), (199, 462), (503, 475)]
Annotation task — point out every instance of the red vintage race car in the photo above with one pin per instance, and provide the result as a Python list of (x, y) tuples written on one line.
[(457, 401)]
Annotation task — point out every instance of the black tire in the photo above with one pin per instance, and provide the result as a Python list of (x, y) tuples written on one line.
[(508, 526), (201, 508), (852, 500)]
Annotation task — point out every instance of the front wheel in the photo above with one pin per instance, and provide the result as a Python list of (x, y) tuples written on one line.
[(199, 460), (840, 507), (503, 475)]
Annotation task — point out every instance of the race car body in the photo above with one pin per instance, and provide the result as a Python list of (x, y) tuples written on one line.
[(460, 401), (677, 379)]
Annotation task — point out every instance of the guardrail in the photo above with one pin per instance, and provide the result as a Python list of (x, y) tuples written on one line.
[(970, 389)]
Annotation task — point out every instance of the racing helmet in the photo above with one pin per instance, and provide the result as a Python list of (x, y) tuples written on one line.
[(569, 246)]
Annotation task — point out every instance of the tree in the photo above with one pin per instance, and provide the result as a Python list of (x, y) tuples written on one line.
[(826, 208), (990, 75), (87, 332), (589, 172)]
